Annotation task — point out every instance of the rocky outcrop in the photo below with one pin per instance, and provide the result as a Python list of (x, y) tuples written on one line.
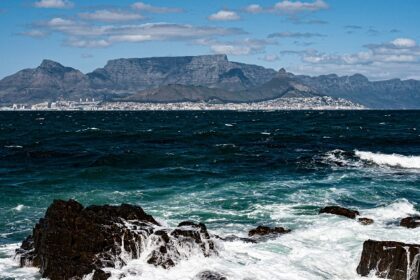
[(209, 275), (263, 230), (410, 222), (340, 211), (390, 260), (365, 221), (73, 241)]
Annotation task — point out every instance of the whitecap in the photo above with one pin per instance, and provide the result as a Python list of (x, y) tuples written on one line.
[(19, 207), (392, 160), (13, 147)]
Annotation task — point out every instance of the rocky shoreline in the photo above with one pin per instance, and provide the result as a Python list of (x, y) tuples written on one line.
[(73, 241)]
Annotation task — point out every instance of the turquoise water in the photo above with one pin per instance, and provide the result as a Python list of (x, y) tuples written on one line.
[(230, 170)]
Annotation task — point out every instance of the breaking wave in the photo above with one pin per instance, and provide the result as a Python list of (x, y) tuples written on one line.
[(393, 160)]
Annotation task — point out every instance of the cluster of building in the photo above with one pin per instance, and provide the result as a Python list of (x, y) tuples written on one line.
[(298, 103)]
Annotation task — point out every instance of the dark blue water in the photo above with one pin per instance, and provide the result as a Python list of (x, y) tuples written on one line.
[(231, 170)]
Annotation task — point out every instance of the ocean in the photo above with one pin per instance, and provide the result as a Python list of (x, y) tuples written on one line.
[(232, 171)]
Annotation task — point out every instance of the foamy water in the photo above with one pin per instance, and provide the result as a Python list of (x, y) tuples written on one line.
[(393, 160), (319, 247), (232, 171)]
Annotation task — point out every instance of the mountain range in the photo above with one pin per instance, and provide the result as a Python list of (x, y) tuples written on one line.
[(210, 78)]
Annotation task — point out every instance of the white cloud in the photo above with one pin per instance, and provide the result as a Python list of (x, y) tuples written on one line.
[(295, 35), (82, 34), (397, 58), (154, 9), (270, 57), (241, 47), (404, 43), (224, 15), (78, 43), (293, 7), (34, 33), (254, 9), (109, 16), (57, 4)]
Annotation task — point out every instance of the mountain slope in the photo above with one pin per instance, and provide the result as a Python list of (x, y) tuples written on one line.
[(282, 85), (49, 81)]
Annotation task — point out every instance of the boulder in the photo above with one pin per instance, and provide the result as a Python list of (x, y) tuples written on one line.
[(209, 275), (410, 222), (72, 241), (390, 260), (264, 230), (365, 221), (340, 211)]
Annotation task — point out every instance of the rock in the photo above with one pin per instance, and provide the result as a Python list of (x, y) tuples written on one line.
[(389, 260), (72, 241), (263, 230), (366, 221), (340, 211), (209, 275), (410, 222), (232, 238)]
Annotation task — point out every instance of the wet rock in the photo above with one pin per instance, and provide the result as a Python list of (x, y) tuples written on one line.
[(410, 222), (72, 241), (209, 275), (179, 243), (365, 221), (340, 211), (390, 260), (263, 230), (232, 238)]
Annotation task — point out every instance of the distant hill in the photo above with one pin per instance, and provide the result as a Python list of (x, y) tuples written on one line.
[(197, 78)]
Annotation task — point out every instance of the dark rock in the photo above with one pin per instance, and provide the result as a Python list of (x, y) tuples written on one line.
[(410, 222), (263, 230), (366, 221), (101, 275), (231, 238), (209, 275), (73, 241), (389, 260), (340, 211)]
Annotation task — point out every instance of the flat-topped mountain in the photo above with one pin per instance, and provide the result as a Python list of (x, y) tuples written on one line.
[(197, 78), (213, 71)]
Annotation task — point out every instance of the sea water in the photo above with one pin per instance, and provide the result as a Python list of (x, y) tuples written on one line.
[(232, 171)]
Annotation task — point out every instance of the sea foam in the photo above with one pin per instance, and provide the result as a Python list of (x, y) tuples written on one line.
[(393, 160)]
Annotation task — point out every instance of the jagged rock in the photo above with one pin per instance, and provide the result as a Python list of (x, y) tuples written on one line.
[(209, 275), (263, 230), (73, 241), (366, 221), (410, 222), (340, 211), (389, 260)]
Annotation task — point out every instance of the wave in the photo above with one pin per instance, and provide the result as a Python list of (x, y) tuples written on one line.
[(393, 160)]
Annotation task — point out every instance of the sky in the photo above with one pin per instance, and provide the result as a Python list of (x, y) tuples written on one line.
[(376, 38)]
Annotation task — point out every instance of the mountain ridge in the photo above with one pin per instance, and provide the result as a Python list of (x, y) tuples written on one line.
[(202, 78)]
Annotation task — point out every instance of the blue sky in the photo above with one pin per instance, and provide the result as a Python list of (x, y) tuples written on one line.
[(378, 38)]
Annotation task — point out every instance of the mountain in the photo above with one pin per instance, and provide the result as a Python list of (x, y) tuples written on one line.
[(49, 81), (393, 94), (281, 85), (213, 71), (197, 78)]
